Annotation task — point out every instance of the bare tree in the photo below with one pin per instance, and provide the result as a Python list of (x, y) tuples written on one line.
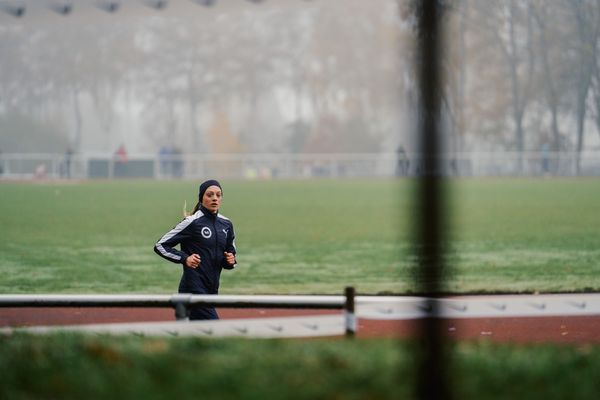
[(551, 64), (587, 24)]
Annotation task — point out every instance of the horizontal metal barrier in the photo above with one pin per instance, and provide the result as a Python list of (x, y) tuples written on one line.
[(411, 306), (182, 303), (479, 306), (191, 300)]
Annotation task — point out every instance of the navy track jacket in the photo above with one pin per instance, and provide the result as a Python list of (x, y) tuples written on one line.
[(206, 234)]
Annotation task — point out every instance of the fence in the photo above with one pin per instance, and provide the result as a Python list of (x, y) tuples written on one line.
[(273, 166), (183, 302), (367, 307)]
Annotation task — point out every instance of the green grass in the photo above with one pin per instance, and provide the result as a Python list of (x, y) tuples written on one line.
[(315, 236), (521, 235), (318, 236), (75, 367)]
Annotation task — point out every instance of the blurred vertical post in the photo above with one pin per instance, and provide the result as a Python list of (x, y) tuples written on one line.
[(349, 314), (432, 379)]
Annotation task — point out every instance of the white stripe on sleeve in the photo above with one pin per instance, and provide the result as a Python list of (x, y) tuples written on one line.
[(180, 227)]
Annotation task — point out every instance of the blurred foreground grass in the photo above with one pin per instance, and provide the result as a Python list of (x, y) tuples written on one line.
[(305, 236), (75, 367)]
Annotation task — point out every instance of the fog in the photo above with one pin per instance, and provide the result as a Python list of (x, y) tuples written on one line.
[(294, 76), (276, 76)]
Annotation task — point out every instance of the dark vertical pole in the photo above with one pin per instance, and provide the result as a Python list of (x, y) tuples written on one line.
[(349, 315), (432, 382)]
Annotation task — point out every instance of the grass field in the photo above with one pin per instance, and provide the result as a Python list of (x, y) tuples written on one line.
[(507, 235), (76, 367)]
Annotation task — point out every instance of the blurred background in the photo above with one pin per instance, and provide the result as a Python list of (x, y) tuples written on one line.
[(249, 90), (292, 88)]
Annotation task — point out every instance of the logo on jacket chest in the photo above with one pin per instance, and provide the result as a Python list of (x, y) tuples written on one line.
[(206, 232)]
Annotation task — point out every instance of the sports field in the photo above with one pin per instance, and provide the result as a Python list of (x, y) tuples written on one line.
[(304, 236), (507, 235)]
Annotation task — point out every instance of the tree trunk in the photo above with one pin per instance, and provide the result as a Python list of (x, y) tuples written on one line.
[(77, 139), (587, 21), (517, 102)]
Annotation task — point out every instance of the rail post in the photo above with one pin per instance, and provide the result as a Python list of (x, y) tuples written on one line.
[(181, 304), (181, 312), (349, 316)]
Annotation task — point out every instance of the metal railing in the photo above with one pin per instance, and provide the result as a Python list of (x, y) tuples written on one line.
[(182, 303), (274, 166), (366, 307)]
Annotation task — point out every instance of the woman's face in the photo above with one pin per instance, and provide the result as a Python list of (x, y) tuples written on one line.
[(212, 199)]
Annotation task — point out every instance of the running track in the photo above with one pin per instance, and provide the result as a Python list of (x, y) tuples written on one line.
[(555, 329)]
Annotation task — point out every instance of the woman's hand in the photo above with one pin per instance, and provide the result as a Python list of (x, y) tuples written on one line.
[(229, 258), (192, 261)]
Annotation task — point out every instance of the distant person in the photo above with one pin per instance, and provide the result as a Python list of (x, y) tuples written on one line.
[(121, 154), (121, 168), (545, 158), (164, 156), (67, 163), (176, 162), (402, 162), (207, 243)]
